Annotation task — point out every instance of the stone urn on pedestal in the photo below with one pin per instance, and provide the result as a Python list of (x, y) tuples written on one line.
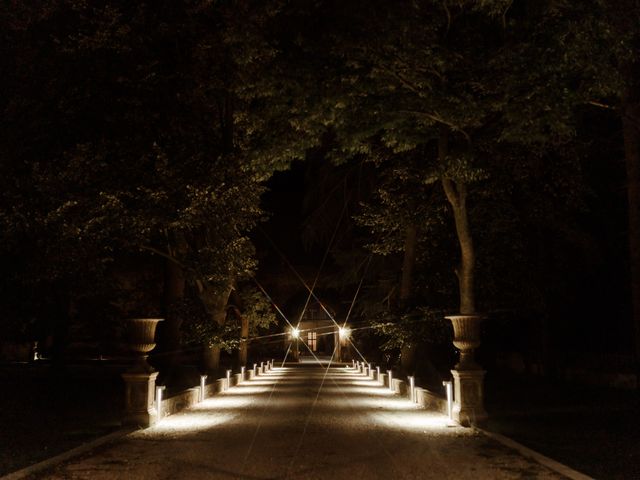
[(468, 376), (140, 379)]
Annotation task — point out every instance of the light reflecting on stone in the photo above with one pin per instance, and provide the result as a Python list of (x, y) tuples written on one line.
[(418, 420), (222, 401), (382, 392), (389, 404), (248, 390), (188, 423)]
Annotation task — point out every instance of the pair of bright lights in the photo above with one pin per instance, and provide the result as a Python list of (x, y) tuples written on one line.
[(342, 331)]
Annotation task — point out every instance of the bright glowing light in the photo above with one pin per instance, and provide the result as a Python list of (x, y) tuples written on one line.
[(449, 388), (295, 332), (364, 391), (159, 390), (188, 422), (416, 420), (228, 401), (203, 379), (382, 402), (247, 390), (412, 389), (254, 383), (344, 332)]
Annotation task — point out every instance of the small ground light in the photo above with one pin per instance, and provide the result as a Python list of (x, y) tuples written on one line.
[(378, 373), (242, 373), (390, 372), (159, 390), (449, 398), (412, 388), (228, 379), (203, 380)]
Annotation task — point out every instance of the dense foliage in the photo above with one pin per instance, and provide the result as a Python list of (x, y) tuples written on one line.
[(451, 139)]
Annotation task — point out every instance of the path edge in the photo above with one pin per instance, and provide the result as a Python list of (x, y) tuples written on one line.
[(550, 463), (74, 452)]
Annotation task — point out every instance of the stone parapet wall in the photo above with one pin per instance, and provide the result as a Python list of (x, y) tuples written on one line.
[(191, 396), (185, 399), (431, 401)]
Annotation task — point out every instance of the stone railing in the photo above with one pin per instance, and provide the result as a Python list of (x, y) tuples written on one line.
[(192, 396), (421, 396)]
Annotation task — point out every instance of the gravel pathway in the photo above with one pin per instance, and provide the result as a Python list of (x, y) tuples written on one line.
[(303, 422)]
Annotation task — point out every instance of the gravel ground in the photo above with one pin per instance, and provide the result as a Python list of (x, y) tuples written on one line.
[(303, 423)]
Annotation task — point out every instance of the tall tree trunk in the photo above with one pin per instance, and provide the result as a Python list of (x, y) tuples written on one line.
[(211, 359), (631, 132), (406, 282), (216, 304), (456, 193), (174, 285), (408, 350), (243, 352)]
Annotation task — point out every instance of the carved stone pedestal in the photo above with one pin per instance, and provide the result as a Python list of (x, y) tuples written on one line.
[(139, 400), (468, 405)]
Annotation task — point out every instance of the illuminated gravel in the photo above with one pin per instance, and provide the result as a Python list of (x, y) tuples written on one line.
[(304, 423)]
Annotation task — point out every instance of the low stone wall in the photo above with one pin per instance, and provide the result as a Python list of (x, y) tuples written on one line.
[(430, 401), (182, 400), (400, 386), (423, 397), (191, 396)]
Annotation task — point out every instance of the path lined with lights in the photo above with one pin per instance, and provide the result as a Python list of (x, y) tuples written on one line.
[(303, 422)]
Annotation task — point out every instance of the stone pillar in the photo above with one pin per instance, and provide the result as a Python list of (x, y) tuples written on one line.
[(140, 379), (468, 405), (468, 376), (139, 400)]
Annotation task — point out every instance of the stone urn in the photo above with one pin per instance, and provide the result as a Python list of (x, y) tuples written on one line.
[(141, 334), (466, 338), (468, 376)]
